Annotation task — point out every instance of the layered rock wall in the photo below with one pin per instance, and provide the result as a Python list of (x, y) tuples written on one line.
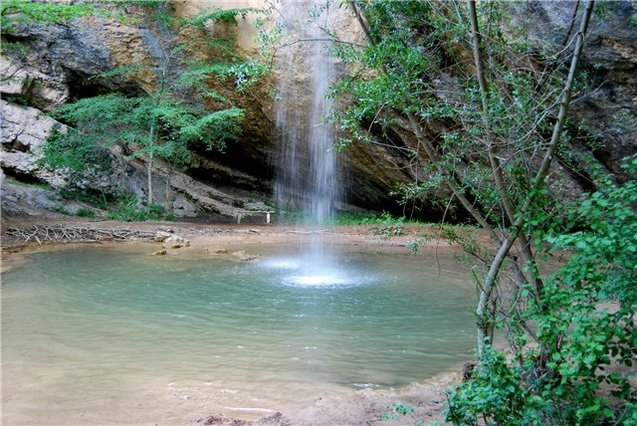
[(64, 63)]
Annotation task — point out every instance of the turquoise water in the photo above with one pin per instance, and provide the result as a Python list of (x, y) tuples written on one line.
[(114, 333)]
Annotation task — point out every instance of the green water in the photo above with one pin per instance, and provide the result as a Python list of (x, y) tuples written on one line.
[(116, 335)]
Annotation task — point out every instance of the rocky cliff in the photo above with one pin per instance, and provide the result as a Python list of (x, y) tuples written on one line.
[(64, 62), (607, 109)]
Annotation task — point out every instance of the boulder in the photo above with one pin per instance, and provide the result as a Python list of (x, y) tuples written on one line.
[(184, 208), (246, 257), (24, 82), (161, 252), (34, 200), (161, 236), (175, 242), (216, 250), (23, 130)]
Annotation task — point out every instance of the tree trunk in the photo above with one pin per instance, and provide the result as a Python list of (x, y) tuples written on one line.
[(485, 295), (149, 169), (149, 163), (168, 176)]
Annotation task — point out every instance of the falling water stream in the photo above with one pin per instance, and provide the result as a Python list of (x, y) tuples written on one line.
[(307, 178)]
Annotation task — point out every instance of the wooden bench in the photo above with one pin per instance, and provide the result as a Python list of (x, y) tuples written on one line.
[(242, 213)]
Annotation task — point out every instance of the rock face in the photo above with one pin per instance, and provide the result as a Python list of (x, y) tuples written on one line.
[(63, 61), (175, 242), (23, 131), (23, 82), (608, 108)]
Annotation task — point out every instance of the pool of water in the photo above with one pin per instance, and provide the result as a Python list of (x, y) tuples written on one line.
[(114, 335)]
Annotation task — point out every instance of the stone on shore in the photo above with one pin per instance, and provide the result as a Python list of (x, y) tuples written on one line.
[(175, 242), (242, 255)]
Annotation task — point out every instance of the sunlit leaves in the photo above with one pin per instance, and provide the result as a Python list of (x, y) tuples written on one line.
[(21, 12), (157, 124), (229, 16)]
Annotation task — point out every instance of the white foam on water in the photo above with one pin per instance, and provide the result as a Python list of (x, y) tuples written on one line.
[(326, 278), (306, 272), (282, 263)]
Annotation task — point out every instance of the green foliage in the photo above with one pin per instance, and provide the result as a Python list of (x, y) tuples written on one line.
[(228, 16), (85, 213), (73, 152), (197, 75), (398, 410), (244, 73), (14, 13), (346, 218), (414, 245), (579, 371), (391, 226), (61, 210), (606, 250), (247, 73), (154, 4), (214, 129), (493, 393), (288, 214), (156, 125), (130, 211), (101, 116)]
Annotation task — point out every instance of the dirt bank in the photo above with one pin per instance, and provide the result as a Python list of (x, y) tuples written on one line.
[(31, 233)]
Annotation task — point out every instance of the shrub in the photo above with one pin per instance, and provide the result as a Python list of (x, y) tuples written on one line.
[(129, 211), (85, 213)]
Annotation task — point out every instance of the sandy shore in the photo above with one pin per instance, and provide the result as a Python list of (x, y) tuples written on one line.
[(363, 407)]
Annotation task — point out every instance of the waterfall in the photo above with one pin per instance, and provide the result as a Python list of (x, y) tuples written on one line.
[(306, 177), (307, 173)]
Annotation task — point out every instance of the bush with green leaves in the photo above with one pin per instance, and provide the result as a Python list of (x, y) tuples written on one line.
[(398, 410), (493, 394), (14, 13), (85, 213), (129, 210), (579, 370), (157, 127)]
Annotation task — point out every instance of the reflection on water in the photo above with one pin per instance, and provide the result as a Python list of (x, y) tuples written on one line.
[(118, 336)]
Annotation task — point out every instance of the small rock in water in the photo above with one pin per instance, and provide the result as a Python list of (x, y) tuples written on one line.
[(161, 236), (276, 419), (175, 242), (215, 420), (215, 250), (242, 255), (160, 252)]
